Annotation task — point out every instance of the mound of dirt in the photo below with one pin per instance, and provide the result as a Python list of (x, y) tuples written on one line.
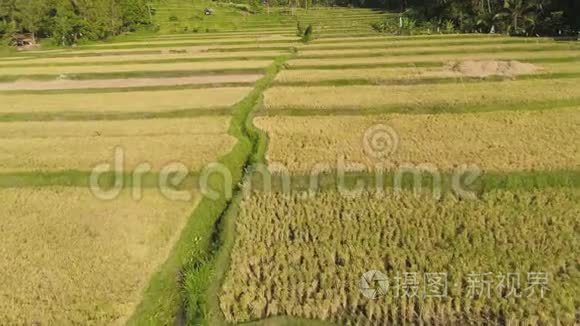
[(486, 68)]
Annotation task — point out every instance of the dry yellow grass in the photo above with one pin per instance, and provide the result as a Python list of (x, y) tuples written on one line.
[(143, 57), (508, 55), (69, 258), (187, 66), (499, 141), (141, 101), (416, 96), (61, 146)]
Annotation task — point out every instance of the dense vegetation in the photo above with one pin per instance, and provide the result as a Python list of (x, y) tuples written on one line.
[(522, 17), (67, 21)]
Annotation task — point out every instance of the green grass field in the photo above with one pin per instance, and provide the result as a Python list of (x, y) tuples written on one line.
[(241, 90)]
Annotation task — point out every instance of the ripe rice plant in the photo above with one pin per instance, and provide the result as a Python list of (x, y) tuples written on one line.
[(444, 97), (153, 67), (494, 141), (74, 259), (159, 143), (122, 102), (304, 257)]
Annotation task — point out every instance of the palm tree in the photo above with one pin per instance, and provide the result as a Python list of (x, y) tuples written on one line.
[(520, 11)]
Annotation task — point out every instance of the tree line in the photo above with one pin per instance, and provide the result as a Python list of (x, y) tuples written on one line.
[(68, 21)]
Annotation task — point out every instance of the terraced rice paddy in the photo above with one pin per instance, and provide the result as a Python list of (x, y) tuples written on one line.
[(240, 90), (507, 106)]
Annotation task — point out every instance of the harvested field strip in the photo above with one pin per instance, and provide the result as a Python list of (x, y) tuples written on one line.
[(211, 80), (112, 249), (476, 49), (338, 238), (123, 102), (145, 58), (444, 96), (193, 66), (494, 141), (511, 55), (36, 154)]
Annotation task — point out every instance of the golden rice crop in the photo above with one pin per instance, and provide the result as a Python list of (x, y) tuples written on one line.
[(69, 258), (435, 42), (152, 67), (508, 55), (426, 95), (146, 57), (124, 128), (380, 74), (499, 141), (140, 101), (305, 257), (424, 50), (58, 146)]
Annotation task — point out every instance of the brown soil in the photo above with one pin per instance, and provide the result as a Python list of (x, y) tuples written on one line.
[(486, 68), (121, 83)]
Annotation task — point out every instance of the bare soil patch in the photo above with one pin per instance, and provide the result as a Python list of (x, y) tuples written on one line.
[(122, 83), (486, 68)]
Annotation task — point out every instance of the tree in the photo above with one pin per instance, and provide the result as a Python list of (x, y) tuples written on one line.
[(519, 12)]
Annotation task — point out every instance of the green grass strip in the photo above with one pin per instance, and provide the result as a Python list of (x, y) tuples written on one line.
[(176, 291), (488, 181)]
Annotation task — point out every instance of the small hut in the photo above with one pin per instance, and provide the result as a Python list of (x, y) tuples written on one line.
[(23, 40)]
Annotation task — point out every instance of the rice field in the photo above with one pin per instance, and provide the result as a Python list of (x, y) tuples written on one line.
[(445, 140), (444, 96), (304, 257), (119, 102), (193, 142), (446, 102), (70, 258), (241, 89)]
